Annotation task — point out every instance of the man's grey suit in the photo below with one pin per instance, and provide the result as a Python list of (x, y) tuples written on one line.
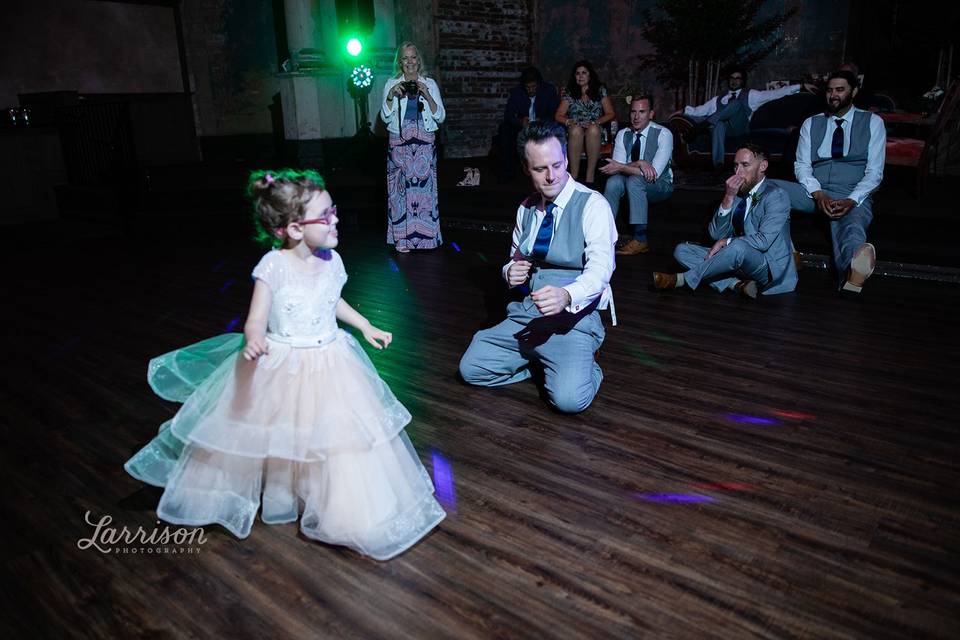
[(763, 253)]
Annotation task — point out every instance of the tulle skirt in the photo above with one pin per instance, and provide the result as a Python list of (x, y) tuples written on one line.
[(308, 432)]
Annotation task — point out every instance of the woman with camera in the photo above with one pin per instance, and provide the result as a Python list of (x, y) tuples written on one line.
[(412, 111)]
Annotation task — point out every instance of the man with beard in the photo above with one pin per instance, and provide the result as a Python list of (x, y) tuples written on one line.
[(751, 227), (561, 258), (840, 159)]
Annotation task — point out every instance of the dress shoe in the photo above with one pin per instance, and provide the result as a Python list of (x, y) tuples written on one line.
[(664, 281), (861, 267), (633, 247), (746, 288)]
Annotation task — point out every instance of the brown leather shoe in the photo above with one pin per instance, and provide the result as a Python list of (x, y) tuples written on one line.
[(633, 247), (747, 288), (664, 281)]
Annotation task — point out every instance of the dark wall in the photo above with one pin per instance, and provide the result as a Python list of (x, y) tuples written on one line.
[(92, 47)]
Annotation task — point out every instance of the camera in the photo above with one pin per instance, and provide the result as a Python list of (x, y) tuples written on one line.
[(410, 87)]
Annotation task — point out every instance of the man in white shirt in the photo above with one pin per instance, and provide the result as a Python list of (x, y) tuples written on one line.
[(751, 227), (561, 257), (641, 167), (728, 114), (840, 158)]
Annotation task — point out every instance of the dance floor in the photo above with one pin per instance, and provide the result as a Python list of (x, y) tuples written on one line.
[(784, 468)]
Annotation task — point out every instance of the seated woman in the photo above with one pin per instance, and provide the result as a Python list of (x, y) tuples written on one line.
[(583, 110)]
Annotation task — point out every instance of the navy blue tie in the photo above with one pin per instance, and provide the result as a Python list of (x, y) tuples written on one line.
[(836, 147), (635, 149), (739, 214), (542, 243)]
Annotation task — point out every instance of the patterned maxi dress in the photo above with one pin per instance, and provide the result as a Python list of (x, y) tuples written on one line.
[(413, 218)]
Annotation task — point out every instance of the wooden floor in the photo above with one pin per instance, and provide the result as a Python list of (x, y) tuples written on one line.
[(785, 468)]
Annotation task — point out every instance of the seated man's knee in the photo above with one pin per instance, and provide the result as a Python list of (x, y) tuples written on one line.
[(636, 184), (470, 369), (679, 252)]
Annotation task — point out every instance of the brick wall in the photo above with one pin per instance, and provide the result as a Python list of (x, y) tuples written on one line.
[(482, 45)]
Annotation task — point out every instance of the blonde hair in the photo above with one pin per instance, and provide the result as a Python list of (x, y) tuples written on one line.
[(421, 67)]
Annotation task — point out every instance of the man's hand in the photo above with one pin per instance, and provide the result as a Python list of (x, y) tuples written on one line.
[(551, 300), (840, 208), (612, 167), (518, 273), (649, 173), (717, 246), (823, 202), (733, 184), (810, 87), (731, 189)]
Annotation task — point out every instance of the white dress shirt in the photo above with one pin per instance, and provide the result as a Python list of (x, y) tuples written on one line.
[(876, 154), (600, 234), (393, 109), (660, 158), (755, 99)]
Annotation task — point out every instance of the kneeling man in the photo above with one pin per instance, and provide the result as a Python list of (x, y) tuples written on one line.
[(563, 245), (752, 252)]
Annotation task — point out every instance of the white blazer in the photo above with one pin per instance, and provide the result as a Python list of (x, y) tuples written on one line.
[(393, 110)]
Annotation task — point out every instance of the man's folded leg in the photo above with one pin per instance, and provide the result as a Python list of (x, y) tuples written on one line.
[(493, 358)]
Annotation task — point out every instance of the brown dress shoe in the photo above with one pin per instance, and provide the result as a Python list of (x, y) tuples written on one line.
[(664, 281), (746, 288), (633, 247)]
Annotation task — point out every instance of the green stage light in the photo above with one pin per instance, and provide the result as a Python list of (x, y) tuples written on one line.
[(354, 47)]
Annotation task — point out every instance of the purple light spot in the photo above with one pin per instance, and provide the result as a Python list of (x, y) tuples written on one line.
[(226, 285), (217, 266), (443, 481), (674, 497), (233, 323), (455, 246), (738, 417), (393, 266)]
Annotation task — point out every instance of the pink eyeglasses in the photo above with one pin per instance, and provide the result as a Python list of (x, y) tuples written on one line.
[(324, 219)]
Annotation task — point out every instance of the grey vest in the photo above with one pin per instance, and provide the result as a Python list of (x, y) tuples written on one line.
[(743, 96), (649, 150), (566, 257), (841, 175)]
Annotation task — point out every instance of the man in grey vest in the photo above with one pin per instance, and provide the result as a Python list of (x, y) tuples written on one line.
[(840, 158), (562, 258), (641, 167), (751, 227), (728, 114)]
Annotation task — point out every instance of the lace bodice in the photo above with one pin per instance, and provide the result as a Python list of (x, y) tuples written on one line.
[(305, 294)]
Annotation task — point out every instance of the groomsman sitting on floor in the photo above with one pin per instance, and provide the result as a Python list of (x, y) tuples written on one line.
[(840, 158), (752, 232), (641, 167)]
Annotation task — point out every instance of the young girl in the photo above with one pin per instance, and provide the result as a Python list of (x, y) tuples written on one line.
[(293, 410)]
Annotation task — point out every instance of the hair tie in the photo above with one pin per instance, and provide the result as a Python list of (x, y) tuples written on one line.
[(268, 178)]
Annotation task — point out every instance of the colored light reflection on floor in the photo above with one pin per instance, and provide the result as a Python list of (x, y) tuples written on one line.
[(482, 257), (644, 357), (662, 337), (724, 486), (226, 285), (443, 481), (393, 266), (678, 498), (793, 415), (455, 246), (745, 419), (232, 324)]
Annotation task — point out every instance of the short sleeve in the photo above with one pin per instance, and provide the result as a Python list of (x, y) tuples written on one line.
[(270, 269)]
